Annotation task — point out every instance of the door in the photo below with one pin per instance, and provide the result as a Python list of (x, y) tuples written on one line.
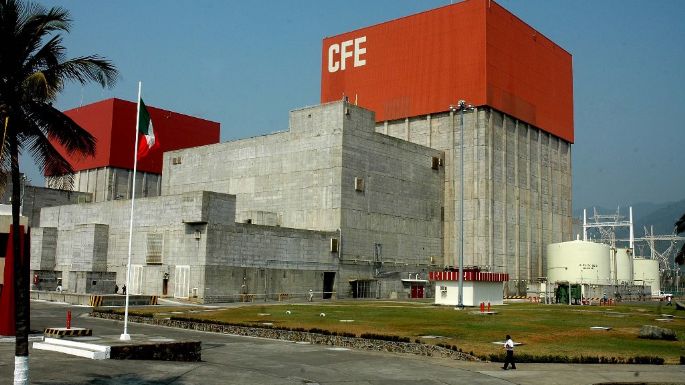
[(182, 282), (416, 290), (328, 280), (136, 280)]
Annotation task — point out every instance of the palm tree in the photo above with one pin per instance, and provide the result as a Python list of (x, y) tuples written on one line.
[(33, 71)]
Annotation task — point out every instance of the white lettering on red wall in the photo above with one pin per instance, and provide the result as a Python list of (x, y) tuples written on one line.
[(338, 54)]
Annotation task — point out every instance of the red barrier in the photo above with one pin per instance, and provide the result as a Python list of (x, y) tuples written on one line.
[(7, 301), (68, 319)]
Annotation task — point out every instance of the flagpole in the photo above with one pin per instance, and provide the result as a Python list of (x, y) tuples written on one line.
[(125, 336)]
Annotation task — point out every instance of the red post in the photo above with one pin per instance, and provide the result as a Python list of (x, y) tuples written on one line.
[(68, 319), (488, 306), (482, 307)]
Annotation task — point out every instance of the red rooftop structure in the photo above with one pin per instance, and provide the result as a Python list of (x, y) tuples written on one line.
[(474, 50), (113, 123)]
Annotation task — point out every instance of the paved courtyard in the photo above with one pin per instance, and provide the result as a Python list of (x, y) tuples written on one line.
[(230, 359)]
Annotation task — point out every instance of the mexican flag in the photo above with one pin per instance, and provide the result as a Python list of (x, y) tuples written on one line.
[(148, 141)]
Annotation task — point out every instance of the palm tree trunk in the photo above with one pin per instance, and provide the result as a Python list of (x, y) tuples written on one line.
[(21, 274)]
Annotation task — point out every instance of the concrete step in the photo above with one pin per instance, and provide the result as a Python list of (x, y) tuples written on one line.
[(74, 348)]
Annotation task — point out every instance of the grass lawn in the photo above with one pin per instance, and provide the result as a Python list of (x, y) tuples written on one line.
[(543, 329)]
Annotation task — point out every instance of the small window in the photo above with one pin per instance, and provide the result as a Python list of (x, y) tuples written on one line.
[(334, 245), (176, 160), (359, 184), (436, 163)]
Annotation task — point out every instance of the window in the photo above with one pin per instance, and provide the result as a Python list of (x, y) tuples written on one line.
[(359, 184), (436, 163)]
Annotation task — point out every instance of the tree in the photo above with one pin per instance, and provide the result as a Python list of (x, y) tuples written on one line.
[(33, 71)]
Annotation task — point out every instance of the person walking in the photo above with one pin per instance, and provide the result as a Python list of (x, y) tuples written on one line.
[(311, 295), (509, 347)]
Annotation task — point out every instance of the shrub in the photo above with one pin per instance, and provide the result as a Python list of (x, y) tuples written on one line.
[(382, 337)]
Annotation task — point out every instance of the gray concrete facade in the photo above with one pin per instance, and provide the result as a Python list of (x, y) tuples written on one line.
[(517, 189), (331, 172), (34, 198), (320, 206), (190, 239), (337, 204), (110, 183)]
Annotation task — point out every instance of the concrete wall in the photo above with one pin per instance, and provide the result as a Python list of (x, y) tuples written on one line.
[(517, 189), (267, 260), (110, 183), (35, 198), (294, 175), (396, 217), (189, 239), (160, 218), (305, 178), (43, 248)]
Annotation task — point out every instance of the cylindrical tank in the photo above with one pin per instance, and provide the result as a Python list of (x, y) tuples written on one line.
[(646, 271), (578, 262), (623, 265)]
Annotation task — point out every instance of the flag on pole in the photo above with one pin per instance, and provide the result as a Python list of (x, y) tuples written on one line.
[(149, 141)]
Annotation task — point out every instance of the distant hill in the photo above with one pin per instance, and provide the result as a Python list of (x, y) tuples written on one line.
[(660, 215)]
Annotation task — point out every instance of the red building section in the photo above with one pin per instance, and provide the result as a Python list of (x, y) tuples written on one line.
[(113, 123), (474, 50)]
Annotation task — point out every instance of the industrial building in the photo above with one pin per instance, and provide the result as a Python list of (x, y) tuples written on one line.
[(362, 196), (517, 137)]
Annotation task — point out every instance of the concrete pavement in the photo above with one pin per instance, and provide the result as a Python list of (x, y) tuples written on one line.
[(241, 360)]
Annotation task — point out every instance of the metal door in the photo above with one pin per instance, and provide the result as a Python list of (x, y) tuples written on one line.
[(182, 282), (136, 280)]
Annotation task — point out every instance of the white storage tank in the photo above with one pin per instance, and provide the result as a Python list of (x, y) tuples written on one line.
[(623, 263), (646, 271), (578, 262)]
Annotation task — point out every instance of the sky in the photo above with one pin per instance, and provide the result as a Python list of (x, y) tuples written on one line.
[(246, 64)]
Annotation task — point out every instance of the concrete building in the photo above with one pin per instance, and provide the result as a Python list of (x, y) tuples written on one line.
[(329, 205), (364, 189), (517, 189), (517, 135)]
